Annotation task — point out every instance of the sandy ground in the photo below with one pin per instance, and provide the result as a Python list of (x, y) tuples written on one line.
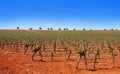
[(12, 62)]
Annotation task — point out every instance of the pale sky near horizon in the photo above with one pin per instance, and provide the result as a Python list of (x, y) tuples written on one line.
[(79, 14)]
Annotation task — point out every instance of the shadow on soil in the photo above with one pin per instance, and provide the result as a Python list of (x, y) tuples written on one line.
[(98, 69)]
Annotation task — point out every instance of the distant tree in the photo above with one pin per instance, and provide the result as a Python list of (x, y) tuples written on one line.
[(90, 29), (105, 29), (66, 29), (30, 28), (48, 28), (112, 29), (51, 28), (18, 28), (59, 29), (40, 28), (74, 29), (83, 29)]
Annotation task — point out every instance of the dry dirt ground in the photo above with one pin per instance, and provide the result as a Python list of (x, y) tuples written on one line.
[(12, 62)]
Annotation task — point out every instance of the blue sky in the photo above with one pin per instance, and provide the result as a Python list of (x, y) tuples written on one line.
[(79, 14)]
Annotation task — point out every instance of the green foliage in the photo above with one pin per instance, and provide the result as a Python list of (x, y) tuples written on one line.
[(31, 43), (91, 51), (65, 47), (37, 47), (98, 52), (27, 43), (115, 53), (81, 51), (110, 51), (64, 35)]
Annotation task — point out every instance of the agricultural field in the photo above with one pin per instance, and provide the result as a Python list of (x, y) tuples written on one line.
[(59, 52)]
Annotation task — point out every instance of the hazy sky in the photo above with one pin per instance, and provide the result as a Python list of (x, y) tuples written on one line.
[(79, 14)]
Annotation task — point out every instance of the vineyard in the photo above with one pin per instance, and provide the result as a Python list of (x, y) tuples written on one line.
[(59, 52)]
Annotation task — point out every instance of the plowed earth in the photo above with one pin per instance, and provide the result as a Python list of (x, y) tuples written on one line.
[(12, 62)]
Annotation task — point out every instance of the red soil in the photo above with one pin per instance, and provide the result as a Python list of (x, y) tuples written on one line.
[(12, 62)]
